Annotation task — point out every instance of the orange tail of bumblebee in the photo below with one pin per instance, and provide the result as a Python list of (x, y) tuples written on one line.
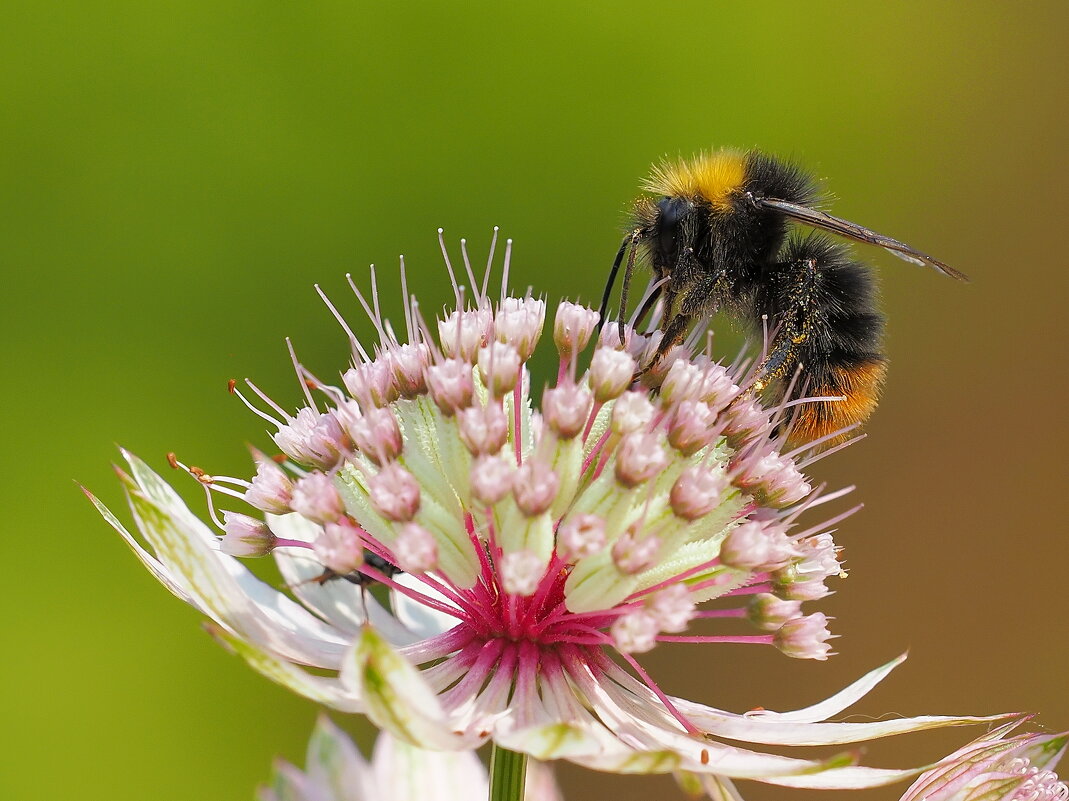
[(860, 386)]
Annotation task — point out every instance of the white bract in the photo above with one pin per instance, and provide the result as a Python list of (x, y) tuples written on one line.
[(541, 549), (335, 771)]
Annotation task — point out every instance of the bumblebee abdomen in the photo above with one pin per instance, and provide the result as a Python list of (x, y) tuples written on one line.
[(858, 380)]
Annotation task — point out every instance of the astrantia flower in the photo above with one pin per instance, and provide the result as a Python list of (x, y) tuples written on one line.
[(335, 771), (997, 767), (527, 553)]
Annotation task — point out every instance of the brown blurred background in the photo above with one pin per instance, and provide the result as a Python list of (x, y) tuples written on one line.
[(174, 176)]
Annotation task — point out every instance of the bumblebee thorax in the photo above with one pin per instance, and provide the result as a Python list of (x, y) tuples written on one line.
[(715, 178)]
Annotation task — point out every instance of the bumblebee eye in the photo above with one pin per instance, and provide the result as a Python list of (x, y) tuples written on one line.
[(671, 210)]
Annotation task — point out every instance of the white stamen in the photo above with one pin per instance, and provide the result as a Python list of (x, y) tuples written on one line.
[(301, 377), (489, 263)]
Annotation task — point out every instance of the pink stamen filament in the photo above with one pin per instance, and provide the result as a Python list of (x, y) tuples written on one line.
[(762, 639), (595, 451), (711, 613), (590, 420)]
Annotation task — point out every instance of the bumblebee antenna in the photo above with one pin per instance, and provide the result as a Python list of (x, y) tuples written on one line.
[(611, 280)]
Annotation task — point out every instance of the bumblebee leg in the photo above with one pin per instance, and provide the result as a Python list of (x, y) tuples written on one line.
[(628, 273), (628, 241), (611, 280)]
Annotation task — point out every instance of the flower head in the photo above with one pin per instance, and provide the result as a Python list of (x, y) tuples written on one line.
[(997, 767), (540, 549)]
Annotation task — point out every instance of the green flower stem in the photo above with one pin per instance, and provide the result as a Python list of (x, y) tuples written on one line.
[(507, 773)]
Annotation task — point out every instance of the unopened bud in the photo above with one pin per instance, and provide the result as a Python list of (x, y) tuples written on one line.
[(611, 372), (566, 409), (639, 458), (693, 427), (316, 497), (768, 613), (415, 549), (483, 429), (671, 607), (339, 547), (491, 479), (805, 637), (634, 633), (756, 545), (535, 487), (519, 323), (580, 536), (631, 412), (462, 333), (500, 367), (521, 572), (245, 536), (572, 328), (451, 385), (394, 493), (697, 492), (271, 489), (632, 554)]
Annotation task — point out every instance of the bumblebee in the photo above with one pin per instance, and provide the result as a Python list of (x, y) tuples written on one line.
[(718, 233)]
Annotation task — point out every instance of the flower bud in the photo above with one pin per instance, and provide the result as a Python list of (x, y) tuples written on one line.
[(639, 458), (768, 613), (756, 545), (339, 547), (566, 409), (451, 385), (394, 493), (519, 323), (271, 489), (415, 549), (491, 479), (500, 367), (745, 421), (804, 637), (611, 372), (697, 492), (632, 555), (572, 328), (375, 433), (634, 633), (683, 381), (580, 536), (372, 383), (408, 363), (483, 429), (313, 439), (717, 389), (535, 487), (316, 497), (462, 333), (773, 480), (693, 427), (521, 572), (631, 412), (245, 536), (671, 607)]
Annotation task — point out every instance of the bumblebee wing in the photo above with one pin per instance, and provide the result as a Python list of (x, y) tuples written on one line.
[(837, 225)]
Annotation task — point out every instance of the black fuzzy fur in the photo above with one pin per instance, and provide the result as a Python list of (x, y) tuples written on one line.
[(820, 302)]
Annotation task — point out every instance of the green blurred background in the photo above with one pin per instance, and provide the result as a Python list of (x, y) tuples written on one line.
[(174, 176)]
